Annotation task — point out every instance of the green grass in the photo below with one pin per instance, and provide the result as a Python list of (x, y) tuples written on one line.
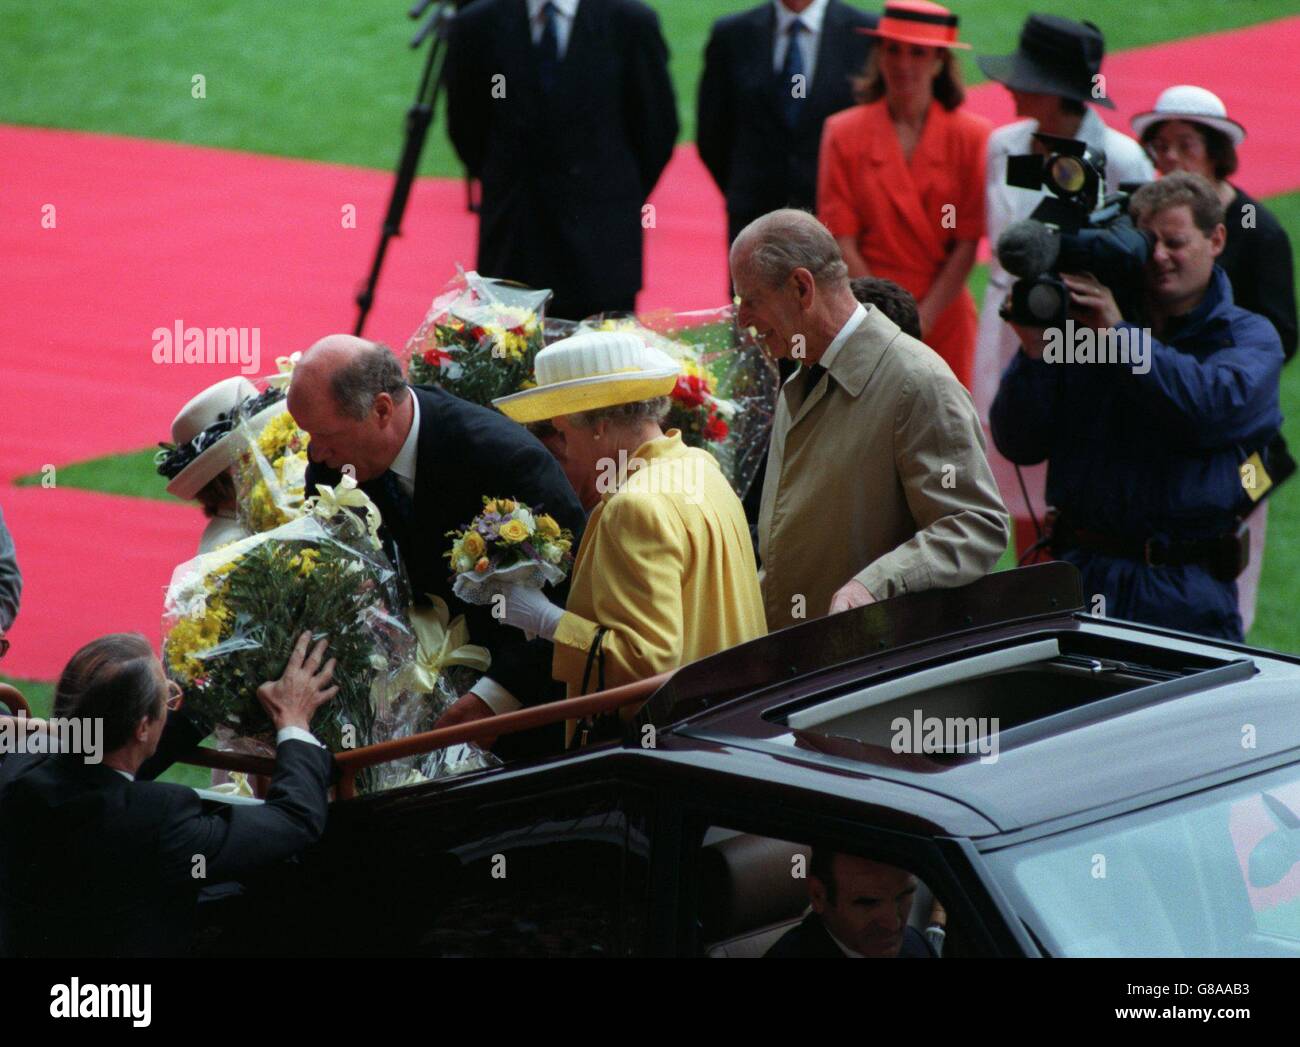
[(130, 474), (1276, 625), (332, 80), (40, 696)]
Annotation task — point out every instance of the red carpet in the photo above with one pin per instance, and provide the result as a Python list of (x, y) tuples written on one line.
[(151, 233)]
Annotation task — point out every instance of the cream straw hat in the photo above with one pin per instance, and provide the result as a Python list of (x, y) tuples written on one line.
[(592, 370), (203, 434)]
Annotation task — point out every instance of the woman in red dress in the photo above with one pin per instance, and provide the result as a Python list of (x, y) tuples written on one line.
[(900, 181)]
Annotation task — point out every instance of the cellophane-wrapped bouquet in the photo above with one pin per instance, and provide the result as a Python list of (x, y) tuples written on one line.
[(479, 338), (508, 544), (725, 397), (272, 471), (232, 616)]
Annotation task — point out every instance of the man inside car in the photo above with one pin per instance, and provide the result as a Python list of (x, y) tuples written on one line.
[(860, 909)]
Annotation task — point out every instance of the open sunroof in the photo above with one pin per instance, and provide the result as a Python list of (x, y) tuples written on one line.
[(1023, 691)]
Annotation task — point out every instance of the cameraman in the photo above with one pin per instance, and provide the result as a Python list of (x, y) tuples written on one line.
[(1144, 461)]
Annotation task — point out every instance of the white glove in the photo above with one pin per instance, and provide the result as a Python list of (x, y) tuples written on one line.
[(527, 609)]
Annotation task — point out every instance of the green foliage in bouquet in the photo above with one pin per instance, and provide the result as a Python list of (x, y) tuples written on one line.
[(245, 615)]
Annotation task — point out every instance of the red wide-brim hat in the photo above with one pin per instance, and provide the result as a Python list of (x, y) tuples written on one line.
[(917, 22)]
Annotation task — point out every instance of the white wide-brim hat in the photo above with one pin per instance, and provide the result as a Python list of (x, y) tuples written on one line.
[(1194, 104), (205, 424), (592, 370)]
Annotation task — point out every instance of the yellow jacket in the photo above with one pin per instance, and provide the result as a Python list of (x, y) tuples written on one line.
[(666, 565)]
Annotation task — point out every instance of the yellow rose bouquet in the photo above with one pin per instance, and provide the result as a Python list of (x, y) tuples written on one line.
[(479, 338), (508, 543)]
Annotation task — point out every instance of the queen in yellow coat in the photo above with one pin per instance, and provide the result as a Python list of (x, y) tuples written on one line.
[(665, 573)]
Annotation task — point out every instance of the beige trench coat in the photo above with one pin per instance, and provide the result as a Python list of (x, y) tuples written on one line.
[(880, 475)]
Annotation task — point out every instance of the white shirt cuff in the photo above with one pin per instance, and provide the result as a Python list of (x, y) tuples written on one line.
[(495, 697), (296, 734)]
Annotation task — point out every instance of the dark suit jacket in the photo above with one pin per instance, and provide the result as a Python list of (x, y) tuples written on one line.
[(465, 452), (94, 865), (759, 163), (809, 941), (564, 176)]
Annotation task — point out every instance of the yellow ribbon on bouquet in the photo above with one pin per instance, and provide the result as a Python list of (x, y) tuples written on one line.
[(442, 642), (329, 502)]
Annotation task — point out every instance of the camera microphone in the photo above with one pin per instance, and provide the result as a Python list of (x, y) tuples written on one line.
[(1028, 248)]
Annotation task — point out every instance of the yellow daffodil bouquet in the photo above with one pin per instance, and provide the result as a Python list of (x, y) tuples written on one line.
[(272, 473), (479, 338), (508, 543)]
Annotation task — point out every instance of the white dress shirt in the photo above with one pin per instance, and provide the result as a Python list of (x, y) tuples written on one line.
[(846, 332), (809, 40), (404, 464), (565, 12)]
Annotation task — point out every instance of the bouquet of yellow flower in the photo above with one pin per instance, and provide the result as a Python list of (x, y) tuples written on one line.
[(272, 470), (507, 544), (232, 616), (725, 397), (479, 338)]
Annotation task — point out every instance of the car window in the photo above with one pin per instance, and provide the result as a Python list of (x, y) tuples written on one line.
[(1217, 874), (568, 878), (761, 895), (527, 870)]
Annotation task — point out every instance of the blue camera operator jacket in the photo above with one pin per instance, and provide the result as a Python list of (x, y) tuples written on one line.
[(1154, 455)]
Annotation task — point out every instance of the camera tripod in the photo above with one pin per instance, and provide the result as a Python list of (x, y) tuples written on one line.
[(418, 119)]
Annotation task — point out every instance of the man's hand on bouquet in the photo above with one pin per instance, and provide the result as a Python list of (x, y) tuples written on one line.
[(1091, 302), (527, 609), (851, 594), (303, 687)]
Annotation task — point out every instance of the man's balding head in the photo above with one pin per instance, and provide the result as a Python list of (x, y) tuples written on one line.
[(777, 244), (351, 397), (792, 282)]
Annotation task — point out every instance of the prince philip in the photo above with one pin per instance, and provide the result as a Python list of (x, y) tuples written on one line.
[(877, 483)]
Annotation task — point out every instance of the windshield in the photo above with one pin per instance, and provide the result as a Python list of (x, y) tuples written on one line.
[(1216, 874)]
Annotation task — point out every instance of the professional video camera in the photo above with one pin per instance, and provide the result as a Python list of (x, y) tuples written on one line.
[(1075, 230)]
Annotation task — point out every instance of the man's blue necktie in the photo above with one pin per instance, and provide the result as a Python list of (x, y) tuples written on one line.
[(793, 90), (548, 48)]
